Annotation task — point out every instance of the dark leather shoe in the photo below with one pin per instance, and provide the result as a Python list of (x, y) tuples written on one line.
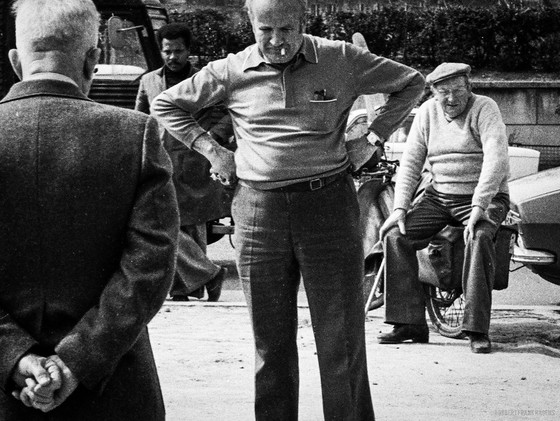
[(401, 333), (480, 342), (214, 286), (197, 293), (179, 297)]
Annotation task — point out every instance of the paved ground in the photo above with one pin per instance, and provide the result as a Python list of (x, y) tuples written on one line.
[(204, 352)]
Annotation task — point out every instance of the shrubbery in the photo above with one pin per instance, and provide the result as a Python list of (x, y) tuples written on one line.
[(505, 38)]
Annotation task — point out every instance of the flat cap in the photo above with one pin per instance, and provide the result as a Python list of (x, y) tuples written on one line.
[(448, 70)]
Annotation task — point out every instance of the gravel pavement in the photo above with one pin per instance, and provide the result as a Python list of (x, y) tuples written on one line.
[(204, 352)]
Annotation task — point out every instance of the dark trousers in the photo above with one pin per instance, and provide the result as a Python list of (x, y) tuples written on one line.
[(404, 296), (282, 237)]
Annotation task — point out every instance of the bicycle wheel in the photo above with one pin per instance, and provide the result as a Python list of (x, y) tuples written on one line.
[(446, 310), (372, 266)]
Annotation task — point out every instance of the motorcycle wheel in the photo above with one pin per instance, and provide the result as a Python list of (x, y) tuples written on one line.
[(372, 265), (446, 310)]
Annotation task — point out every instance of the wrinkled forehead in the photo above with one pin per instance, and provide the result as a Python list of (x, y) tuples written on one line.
[(173, 44), (276, 10), (277, 21)]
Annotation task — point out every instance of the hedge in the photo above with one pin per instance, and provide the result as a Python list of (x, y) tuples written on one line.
[(504, 38)]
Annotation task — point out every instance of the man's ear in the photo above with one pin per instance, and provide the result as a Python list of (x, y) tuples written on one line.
[(92, 58), (13, 56)]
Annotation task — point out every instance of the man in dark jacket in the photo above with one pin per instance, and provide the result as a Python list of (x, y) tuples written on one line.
[(201, 199), (89, 224)]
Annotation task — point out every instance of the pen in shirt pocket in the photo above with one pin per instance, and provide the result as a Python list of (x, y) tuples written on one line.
[(321, 96)]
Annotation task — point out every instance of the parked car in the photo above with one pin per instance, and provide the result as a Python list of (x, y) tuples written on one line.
[(535, 201)]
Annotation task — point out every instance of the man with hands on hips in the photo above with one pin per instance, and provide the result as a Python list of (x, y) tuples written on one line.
[(295, 207), (89, 225), (463, 138)]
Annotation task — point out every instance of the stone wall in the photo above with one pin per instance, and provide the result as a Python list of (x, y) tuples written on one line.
[(531, 111)]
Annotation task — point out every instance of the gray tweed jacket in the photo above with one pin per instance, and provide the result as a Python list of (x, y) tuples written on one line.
[(88, 228)]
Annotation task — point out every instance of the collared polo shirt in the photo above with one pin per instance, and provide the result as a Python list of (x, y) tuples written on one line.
[(289, 123)]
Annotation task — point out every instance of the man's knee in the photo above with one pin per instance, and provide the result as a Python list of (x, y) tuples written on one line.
[(483, 234), (396, 243)]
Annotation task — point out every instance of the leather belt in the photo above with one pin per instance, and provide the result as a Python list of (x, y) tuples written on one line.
[(312, 185)]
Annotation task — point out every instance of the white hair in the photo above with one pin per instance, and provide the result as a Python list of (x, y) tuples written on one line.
[(70, 26)]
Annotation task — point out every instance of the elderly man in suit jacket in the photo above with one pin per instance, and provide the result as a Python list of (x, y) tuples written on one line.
[(89, 225), (201, 199)]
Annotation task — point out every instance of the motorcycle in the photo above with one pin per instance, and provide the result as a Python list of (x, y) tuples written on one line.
[(440, 261)]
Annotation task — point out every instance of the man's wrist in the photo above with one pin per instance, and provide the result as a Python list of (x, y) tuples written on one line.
[(374, 139), (206, 145)]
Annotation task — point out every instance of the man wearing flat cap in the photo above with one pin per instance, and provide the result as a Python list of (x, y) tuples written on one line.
[(463, 139)]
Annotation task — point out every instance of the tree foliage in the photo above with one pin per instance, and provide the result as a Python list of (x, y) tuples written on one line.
[(509, 37)]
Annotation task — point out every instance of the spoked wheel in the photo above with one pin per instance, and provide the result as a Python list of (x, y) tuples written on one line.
[(446, 310), (373, 291)]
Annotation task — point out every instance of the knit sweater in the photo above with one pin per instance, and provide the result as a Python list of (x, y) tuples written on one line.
[(466, 156)]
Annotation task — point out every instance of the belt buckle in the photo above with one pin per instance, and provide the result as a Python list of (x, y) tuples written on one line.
[(316, 184)]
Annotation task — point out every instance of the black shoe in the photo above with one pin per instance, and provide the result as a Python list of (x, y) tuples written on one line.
[(214, 286), (179, 297), (480, 342), (401, 333), (197, 293)]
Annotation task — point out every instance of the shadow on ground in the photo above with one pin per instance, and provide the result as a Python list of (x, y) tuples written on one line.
[(526, 331)]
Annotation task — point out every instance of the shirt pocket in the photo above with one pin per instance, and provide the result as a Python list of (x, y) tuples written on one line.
[(322, 114)]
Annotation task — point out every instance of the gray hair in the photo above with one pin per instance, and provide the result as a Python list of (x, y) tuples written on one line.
[(302, 4), (71, 26)]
